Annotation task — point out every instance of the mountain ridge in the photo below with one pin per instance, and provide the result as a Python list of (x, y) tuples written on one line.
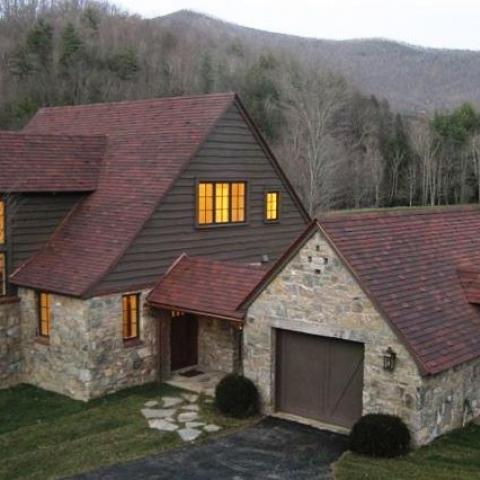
[(414, 79)]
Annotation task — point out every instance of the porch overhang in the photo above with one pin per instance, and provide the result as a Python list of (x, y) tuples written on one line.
[(237, 320), (206, 287)]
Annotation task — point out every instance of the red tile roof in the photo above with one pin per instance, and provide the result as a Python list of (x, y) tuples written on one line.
[(408, 262), (470, 281), (412, 265), (53, 163), (205, 286), (149, 143)]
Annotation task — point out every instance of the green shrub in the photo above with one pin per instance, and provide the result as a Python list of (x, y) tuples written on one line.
[(380, 435), (237, 396)]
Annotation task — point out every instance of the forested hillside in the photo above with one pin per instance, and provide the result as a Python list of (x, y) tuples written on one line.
[(342, 146), (413, 79)]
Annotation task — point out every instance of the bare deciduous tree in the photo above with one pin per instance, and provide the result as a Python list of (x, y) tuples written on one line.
[(313, 101)]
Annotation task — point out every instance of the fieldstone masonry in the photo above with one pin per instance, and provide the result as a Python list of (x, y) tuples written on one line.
[(11, 359), (316, 294), (85, 356), (217, 345)]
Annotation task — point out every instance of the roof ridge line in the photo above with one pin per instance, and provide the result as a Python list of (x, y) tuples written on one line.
[(141, 100), (21, 133), (395, 211)]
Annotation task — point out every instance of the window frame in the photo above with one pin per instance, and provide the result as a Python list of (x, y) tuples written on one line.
[(40, 319), (215, 224), (136, 338), (265, 206)]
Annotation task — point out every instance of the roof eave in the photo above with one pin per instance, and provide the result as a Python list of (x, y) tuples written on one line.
[(211, 314)]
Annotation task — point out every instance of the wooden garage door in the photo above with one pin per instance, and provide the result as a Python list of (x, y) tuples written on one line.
[(319, 377)]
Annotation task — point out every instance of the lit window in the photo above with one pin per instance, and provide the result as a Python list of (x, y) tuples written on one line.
[(44, 314), (3, 275), (238, 202), (205, 203), (271, 206), (221, 202), (130, 316)]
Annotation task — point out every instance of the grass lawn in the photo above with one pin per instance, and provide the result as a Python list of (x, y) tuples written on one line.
[(44, 435), (455, 456)]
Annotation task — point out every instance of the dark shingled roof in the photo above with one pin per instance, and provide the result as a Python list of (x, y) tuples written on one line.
[(206, 286), (149, 143), (49, 163), (412, 264)]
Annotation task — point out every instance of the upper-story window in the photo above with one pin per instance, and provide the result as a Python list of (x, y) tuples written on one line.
[(3, 250), (221, 202), (271, 206)]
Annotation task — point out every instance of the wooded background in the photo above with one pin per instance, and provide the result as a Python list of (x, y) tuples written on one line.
[(340, 147)]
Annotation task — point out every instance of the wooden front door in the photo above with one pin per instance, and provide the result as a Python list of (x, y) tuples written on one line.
[(319, 377), (183, 341)]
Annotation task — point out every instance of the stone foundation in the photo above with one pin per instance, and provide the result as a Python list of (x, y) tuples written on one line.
[(11, 357), (316, 294)]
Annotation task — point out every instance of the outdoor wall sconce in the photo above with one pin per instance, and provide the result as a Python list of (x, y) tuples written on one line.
[(389, 359)]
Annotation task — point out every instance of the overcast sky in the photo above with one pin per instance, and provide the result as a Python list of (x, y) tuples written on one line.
[(433, 23)]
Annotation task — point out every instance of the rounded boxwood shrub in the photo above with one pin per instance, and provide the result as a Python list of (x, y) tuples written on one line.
[(380, 435), (236, 396)]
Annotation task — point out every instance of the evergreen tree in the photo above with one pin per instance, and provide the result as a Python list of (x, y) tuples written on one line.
[(71, 46)]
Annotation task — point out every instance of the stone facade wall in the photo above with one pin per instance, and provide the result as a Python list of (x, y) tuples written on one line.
[(85, 356), (448, 400), (60, 363), (11, 355), (316, 294), (113, 365), (217, 345)]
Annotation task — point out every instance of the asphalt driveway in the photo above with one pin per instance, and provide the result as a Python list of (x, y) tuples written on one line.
[(272, 449)]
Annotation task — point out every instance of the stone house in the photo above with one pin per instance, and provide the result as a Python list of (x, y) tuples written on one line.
[(97, 202), (143, 238)]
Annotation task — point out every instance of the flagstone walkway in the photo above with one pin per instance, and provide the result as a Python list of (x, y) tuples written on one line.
[(178, 414)]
